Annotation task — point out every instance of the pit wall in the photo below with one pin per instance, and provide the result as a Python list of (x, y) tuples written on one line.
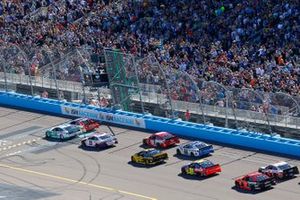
[(240, 138)]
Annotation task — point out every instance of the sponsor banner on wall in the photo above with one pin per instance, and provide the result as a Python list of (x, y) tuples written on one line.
[(104, 116)]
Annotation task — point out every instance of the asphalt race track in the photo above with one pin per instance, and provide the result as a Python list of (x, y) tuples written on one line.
[(32, 168)]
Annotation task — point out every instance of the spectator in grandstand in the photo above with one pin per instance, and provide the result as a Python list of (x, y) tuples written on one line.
[(242, 44), (187, 115), (45, 94), (103, 103)]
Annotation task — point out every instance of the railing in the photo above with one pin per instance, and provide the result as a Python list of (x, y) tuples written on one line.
[(156, 98), (220, 112)]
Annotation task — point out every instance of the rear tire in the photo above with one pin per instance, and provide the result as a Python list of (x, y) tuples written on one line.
[(192, 154), (83, 144), (183, 171), (98, 146), (147, 162), (178, 152)]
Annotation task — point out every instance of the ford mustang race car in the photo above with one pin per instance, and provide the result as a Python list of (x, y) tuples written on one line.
[(99, 140), (161, 139), (85, 124), (279, 170), (201, 168), (149, 157), (63, 132), (195, 149), (254, 181)]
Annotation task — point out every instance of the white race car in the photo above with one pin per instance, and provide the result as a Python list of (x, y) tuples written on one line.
[(63, 132), (195, 149), (279, 170), (99, 140)]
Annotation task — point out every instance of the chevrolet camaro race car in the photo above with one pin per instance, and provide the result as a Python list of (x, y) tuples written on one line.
[(201, 168), (99, 140), (63, 132), (279, 170), (254, 181), (195, 149), (85, 124), (149, 157), (161, 139)]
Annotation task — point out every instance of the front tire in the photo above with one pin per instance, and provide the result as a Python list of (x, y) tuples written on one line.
[(100, 146), (145, 142), (133, 159), (237, 185), (178, 152)]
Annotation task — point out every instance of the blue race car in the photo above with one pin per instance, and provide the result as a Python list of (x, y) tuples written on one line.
[(195, 149)]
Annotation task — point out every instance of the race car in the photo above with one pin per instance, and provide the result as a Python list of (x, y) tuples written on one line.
[(99, 140), (279, 170), (149, 157), (161, 139), (63, 132), (254, 181), (201, 168), (195, 149), (85, 124)]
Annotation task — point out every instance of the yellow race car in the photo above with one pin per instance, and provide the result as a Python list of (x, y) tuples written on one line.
[(149, 157)]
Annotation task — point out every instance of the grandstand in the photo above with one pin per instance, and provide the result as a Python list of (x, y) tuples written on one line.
[(218, 59)]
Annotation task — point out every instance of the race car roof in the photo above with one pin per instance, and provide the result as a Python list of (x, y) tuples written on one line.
[(279, 163), (162, 134), (97, 134), (200, 161), (62, 126), (252, 174), (197, 142)]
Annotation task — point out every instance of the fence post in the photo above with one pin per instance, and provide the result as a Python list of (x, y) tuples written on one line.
[(226, 110)]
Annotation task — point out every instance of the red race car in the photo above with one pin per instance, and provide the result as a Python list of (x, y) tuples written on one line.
[(161, 139), (85, 124), (254, 181)]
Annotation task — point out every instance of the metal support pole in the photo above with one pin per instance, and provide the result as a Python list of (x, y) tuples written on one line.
[(5, 78), (199, 96), (28, 68), (226, 110), (167, 85), (54, 73), (30, 80), (138, 84)]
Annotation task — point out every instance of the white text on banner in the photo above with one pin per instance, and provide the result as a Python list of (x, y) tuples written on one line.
[(104, 116)]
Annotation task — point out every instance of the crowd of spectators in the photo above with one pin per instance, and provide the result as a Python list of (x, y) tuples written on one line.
[(241, 44)]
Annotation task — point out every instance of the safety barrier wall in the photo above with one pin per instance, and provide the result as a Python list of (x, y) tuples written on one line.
[(240, 138)]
